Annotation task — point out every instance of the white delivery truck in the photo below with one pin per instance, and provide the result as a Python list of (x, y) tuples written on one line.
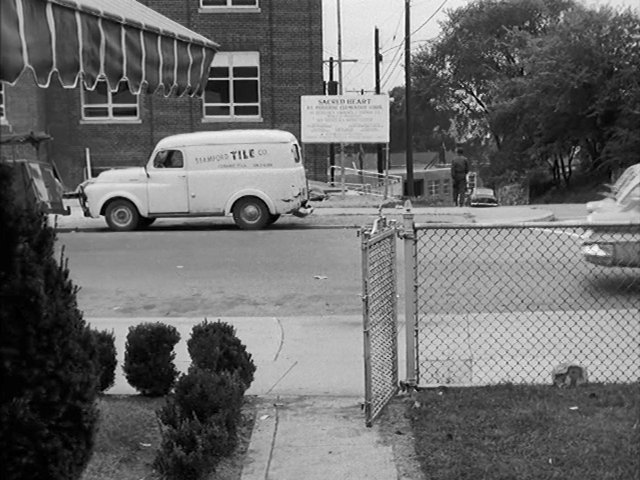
[(254, 175)]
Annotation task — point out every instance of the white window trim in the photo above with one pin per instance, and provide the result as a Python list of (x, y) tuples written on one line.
[(434, 187), (229, 8), (233, 118), (109, 105), (3, 117)]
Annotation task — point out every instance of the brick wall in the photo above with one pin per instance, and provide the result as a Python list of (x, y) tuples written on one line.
[(25, 112), (286, 33)]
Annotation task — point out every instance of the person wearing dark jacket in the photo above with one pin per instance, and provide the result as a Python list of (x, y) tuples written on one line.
[(459, 170)]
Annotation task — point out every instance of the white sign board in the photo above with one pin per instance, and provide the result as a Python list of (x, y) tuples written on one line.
[(345, 118)]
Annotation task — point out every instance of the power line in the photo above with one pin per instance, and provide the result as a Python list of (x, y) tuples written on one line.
[(437, 10)]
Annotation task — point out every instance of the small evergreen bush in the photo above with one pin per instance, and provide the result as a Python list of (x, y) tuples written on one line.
[(148, 360), (191, 450), (215, 346), (204, 394), (106, 359), (48, 382)]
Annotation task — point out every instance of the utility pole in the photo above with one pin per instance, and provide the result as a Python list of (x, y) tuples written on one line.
[(378, 59), (340, 87), (407, 97), (332, 90)]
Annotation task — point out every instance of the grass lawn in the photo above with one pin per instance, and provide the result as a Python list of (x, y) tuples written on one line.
[(129, 435), (528, 432)]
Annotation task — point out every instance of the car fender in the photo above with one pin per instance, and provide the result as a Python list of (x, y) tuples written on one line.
[(105, 199), (249, 192)]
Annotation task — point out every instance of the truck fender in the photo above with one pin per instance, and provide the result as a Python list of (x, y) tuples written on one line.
[(104, 201), (249, 193)]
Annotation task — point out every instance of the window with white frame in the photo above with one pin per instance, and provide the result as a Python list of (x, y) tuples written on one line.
[(446, 186), (434, 187), (3, 116), (228, 3), (233, 88), (103, 104)]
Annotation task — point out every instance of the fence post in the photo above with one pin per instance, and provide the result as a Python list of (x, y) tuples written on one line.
[(409, 293)]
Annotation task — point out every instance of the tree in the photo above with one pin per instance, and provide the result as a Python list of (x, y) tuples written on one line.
[(549, 82), (476, 50), (430, 125), (48, 410), (580, 93)]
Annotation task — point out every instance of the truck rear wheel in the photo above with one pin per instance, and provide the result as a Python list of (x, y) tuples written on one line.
[(250, 213), (122, 216)]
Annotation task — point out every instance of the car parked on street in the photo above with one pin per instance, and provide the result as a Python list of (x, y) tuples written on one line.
[(614, 237), (482, 197)]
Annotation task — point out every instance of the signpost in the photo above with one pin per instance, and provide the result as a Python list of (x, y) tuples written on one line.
[(345, 119)]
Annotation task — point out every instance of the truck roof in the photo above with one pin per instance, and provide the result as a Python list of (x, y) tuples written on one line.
[(225, 137)]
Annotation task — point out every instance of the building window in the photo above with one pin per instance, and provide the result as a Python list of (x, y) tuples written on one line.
[(446, 186), (3, 117), (229, 3), (434, 187), (233, 89), (102, 104)]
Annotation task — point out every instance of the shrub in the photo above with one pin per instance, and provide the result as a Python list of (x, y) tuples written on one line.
[(204, 394), (48, 412), (214, 346), (106, 360), (148, 360), (191, 450)]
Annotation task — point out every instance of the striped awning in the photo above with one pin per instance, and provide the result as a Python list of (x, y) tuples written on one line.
[(89, 40)]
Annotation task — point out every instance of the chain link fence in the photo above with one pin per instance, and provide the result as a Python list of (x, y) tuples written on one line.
[(379, 317), (496, 304)]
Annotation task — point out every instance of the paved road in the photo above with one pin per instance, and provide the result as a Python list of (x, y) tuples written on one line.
[(222, 272), (226, 272), (516, 269)]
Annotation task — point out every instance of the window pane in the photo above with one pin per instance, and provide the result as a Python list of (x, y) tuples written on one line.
[(175, 159), (244, 3), (217, 92), (245, 91), (99, 95), (245, 72), (211, 111), (123, 95), (246, 110), (96, 112), (128, 111), (219, 72), (214, 3)]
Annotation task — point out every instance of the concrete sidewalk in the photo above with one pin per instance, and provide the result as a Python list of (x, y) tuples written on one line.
[(326, 215)]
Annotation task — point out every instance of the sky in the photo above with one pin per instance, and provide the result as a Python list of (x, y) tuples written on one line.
[(359, 19)]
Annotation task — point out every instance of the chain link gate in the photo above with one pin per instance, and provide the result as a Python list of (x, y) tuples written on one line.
[(380, 312), (516, 303)]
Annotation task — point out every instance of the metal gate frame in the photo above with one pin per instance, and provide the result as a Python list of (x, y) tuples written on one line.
[(380, 315)]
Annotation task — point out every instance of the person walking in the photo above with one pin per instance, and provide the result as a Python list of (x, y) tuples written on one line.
[(459, 170)]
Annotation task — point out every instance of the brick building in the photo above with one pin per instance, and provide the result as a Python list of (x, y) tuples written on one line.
[(270, 54)]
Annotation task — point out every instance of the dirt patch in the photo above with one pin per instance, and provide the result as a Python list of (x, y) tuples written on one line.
[(395, 430)]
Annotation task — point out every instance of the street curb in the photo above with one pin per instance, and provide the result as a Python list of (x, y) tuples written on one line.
[(260, 451)]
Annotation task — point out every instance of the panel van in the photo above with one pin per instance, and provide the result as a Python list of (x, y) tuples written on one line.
[(253, 175)]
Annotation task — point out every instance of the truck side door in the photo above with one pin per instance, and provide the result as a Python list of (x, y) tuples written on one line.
[(167, 184)]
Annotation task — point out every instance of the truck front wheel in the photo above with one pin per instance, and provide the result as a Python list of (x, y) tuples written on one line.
[(122, 216), (250, 213)]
